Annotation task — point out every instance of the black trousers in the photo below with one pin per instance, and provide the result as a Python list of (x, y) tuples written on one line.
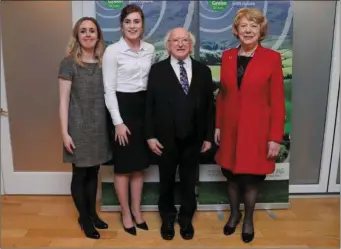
[(183, 154)]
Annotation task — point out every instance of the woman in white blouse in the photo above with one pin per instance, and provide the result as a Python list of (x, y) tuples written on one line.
[(126, 65)]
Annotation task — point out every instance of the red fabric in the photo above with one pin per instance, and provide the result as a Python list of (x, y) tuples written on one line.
[(254, 115)]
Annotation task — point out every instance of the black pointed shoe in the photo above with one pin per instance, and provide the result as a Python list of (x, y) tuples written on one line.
[(130, 230), (142, 225), (88, 229), (98, 222)]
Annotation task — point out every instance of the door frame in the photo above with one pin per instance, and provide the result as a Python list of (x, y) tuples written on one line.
[(333, 186), (330, 124)]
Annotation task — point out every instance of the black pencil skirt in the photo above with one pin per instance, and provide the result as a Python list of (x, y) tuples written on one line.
[(134, 156)]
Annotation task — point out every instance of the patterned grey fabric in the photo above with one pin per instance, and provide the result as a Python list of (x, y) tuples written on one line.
[(88, 121)]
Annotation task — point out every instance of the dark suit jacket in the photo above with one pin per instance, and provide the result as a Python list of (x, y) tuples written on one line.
[(162, 87)]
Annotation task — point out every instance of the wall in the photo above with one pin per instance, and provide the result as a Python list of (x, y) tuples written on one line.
[(34, 36)]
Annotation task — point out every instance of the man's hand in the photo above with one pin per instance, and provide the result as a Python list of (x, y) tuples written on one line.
[(206, 146), (155, 146)]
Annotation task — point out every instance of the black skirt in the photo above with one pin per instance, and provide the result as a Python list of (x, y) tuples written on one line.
[(134, 156), (243, 179)]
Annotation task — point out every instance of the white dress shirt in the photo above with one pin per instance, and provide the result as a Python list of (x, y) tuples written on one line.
[(187, 66), (124, 71)]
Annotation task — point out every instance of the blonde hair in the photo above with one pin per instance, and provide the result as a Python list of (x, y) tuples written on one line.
[(251, 14), (166, 40), (74, 48)]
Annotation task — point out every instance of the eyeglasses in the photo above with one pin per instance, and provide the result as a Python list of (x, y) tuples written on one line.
[(184, 41)]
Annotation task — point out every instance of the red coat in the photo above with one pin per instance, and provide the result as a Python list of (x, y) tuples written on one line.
[(254, 115)]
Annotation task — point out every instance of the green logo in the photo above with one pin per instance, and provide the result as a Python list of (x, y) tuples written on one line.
[(218, 5), (114, 4)]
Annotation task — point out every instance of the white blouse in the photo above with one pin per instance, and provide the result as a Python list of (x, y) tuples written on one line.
[(125, 71)]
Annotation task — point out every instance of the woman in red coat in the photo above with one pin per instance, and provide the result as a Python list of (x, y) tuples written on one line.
[(250, 116)]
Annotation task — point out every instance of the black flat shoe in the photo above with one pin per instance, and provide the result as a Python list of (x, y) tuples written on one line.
[(228, 230), (130, 230), (248, 237), (142, 225), (88, 229), (98, 222)]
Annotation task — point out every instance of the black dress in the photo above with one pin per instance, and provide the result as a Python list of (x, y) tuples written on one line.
[(242, 63)]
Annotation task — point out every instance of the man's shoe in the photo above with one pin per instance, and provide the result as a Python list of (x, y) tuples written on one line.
[(167, 230), (186, 229)]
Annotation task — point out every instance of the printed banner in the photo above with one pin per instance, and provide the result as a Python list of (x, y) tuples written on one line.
[(160, 17), (211, 22)]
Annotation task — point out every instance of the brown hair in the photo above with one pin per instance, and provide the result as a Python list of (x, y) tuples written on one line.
[(74, 48), (131, 8), (251, 14)]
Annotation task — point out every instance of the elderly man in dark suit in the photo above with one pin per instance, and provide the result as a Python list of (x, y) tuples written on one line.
[(179, 125)]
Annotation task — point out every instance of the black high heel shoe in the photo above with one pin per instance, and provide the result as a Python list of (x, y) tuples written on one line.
[(98, 222), (130, 230), (228, 230), (88, 229), (142, 225)]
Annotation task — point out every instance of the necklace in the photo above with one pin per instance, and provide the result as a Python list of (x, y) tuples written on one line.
[(247, 54)]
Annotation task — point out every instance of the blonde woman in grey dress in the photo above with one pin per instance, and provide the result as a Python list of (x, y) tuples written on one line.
[(84, 120)]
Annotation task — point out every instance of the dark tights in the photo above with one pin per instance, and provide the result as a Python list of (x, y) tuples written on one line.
[(248, 193), (84, 191)]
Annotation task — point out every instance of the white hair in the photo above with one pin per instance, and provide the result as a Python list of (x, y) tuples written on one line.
[(166, 40)]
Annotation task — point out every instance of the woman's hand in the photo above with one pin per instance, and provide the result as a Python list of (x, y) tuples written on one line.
[(68, 143), (274, 149), (121, 131), (217, 136)]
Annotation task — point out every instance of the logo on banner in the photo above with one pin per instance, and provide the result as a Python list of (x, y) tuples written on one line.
[(218, 5), (114, 4)]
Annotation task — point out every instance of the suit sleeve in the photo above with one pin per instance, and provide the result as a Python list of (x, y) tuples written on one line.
[(210, 106), (277, 102), (220, 96), (149, 114)]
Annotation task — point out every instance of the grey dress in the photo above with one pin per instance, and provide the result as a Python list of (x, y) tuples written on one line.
[(88, 122)]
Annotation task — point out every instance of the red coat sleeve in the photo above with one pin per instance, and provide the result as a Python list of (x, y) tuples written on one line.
[(277, 102), (220, 96)]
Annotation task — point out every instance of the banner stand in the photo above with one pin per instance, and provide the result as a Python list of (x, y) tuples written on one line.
[(211, 190)]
